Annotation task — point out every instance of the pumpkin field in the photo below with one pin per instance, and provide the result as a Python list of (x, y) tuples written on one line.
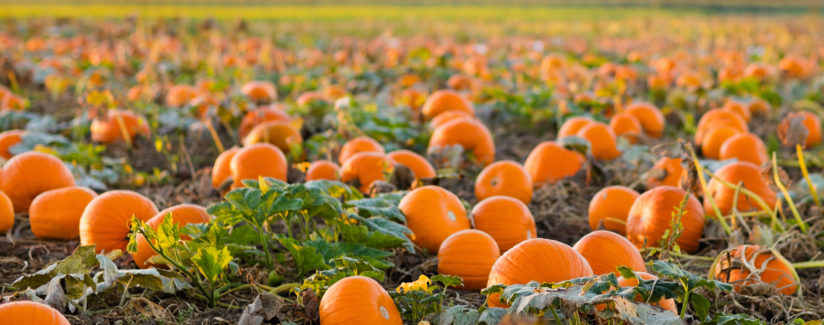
[(398, 163)]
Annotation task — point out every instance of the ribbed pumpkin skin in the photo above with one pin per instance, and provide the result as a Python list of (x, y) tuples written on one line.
[(433, 213), (738, 172), (258, 160), (625, 125), (715, 118), (573, 125), (323, 169), (6, 213), (279, 133), (366, 168), (775, 271), (537, 259), (109, 130), (468, 254), (610, 208), (181, 215), (105, 221), (506, 219), (601, 139), (9, 139), (667, 304), (606, 251), (672, 173), (548, 163), (222, 169), (56, 213), (470, 134), (30, 313), (507, 178), (28, 174), (651, 215), (258, 116), (447, 116), (417, 163), (358, 300), (356, 145), (651, 118), (446, 100)]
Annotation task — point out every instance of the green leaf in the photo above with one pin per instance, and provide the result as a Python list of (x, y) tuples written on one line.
[(379, 206), (700, 305), (492, 316), (306, 259), (447, 280), (459, 315), (211, 261)]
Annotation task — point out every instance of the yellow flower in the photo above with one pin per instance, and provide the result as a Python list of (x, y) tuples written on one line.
[(421, 284), (127, 169), (303, 167), (45, 149)]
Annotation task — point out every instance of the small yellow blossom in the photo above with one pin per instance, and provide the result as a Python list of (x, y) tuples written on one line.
[(303, 167), (421, 284), (45, 149)]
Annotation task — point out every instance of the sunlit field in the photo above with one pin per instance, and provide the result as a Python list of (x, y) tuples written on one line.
[(250, 162)]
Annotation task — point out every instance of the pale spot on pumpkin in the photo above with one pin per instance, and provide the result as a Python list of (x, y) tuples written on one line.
[(384, 312), (451, 216)]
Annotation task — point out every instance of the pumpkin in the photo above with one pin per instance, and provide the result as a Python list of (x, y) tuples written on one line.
[(279, 133), (111, 128), (606, 251), (6, 213), (601, 140), (507, 178), (459, 82), (323, 169), (106, 220), (549, 162), (258, 160), (432, 214), (666, 172), (749, 264), (358, 300), (715, 118), (652, 213), (413, 98), (30, 313), (260, 92), (447, 116), (446, 100), (506, 219), (809, 121), (27, 175), (750, 177), (470, 134), (415, 162), (181, 215), (738, 108), (537, 259), (356, 145), (651, 118), (573, 125), (312, 96), (795, 66), (759, 71), (744, 146), (468, 254), (666, 303), (56, 213), (759, 106), (625, 125), (180, 95), (261, 115), (714, 139), (222, 170), (610, 208), (364, 168), (9, 139)]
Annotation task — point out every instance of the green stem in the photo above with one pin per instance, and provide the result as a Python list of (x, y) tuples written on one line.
[(803, 165), (750, 194), (280, 288), (700, 169), (181, 268), (808, 264), (783, 189), (686, 301)]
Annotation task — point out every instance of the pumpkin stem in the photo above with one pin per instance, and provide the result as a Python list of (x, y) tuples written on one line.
[(122, 126), (215, 138), (704, 186), (808, 264), (803, 165), (801, 223)]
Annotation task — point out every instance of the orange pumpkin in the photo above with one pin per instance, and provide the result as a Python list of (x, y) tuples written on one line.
[(610, 208), (537, 259), (447, 116), (323, 169), (261, 115), (222, 170), (548, 163), (506, 219), (356, 145), (468, 254), (459, 82), (759, 106), (749, 264), (795, 66), (312, 96), (358, 300), (750, 177), (105, 221), (56, 213), (606, 251), (601, 140), (573, 125), (112, 128), (470, 134), (651, 118), (279, 133), (27, 175), (738, 108), (652, 213), (716, 118), (181, 215), (746, 147), (6, 213), (667, 171), (714, 139), (260, 92), (9, 139), (809, 120), (446, 100), (417, 163), (365, 168), (666, 303), (432, 214), (626, 125), (507, 178), (258, 160), (30, 313), (180, 95)]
